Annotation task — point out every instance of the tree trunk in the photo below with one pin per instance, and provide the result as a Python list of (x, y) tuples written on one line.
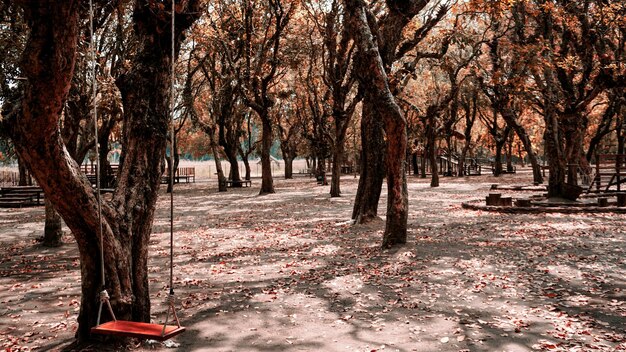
[(338, 151), (497, 163), (246, 163), (461, 166), (509, 156), (431, 150), (267, 182), (372, 166), (619, 130), (221, 179), (532, 157), (376, 85), (234, 170), (288, 167), (554, 155), (53, 227), (397, 192), (24, 175), (48, 64)]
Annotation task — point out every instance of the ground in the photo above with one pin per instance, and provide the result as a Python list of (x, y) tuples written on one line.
[(287, 272)]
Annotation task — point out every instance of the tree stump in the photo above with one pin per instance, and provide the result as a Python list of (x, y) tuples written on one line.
[(621, 199), (493, 199), (522, 203), (571, 192), (603, 201), (506, 201)]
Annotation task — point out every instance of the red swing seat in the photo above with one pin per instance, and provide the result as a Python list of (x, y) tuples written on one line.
[(136, 329)]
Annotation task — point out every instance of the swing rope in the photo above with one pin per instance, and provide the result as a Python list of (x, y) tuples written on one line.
[(171, 299), (135, 329), (104, 295)]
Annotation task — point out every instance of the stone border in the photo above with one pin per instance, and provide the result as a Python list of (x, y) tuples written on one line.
[(474, 205), (518, 188)]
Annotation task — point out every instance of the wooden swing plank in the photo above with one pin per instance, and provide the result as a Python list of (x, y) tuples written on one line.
[(137, 329)]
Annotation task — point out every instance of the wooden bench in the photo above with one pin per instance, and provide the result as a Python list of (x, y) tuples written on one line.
[(308, 172), (19, 196), (186, 173), (240, 183)]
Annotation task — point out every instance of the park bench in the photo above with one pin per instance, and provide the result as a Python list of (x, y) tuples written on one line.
[(21, 196), (182, 173), (347, 169), (186, 173), (240, 183), (308, 172), (504, 169)]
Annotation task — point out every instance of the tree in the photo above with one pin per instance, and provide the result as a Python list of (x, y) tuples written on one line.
[(48, 65), (571, 47), (264, 28), (372, 75), (392, 46), (504, 86), (289, 128), (339, 79)]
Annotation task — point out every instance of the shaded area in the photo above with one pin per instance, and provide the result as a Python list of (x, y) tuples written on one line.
[(286, 272)]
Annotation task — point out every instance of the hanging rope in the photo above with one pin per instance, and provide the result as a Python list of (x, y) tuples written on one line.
[(104, 295), (171, 299), (129, 328), (172, 136)]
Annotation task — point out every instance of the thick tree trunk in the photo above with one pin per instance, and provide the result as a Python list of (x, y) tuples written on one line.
[(397, 192), (555, 156), (234, 170), (372, 169), (23, 174), (221, 179), (288, 167), (48, 63), (414, 164), (53, 232), (267, 181), (376, 85)]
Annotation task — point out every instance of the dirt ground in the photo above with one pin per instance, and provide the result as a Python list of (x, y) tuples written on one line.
[(287, 272)]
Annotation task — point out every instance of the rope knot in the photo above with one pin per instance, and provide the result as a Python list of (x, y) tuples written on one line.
[(170, 299), (104, 296)]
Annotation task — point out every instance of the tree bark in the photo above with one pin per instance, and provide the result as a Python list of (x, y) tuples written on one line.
[(338, 152), (48, 64), (53, 231), (430, 148), (372, 174), (23, 174), (267, 181), (374, 79), (288, 167), (246, 163)]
